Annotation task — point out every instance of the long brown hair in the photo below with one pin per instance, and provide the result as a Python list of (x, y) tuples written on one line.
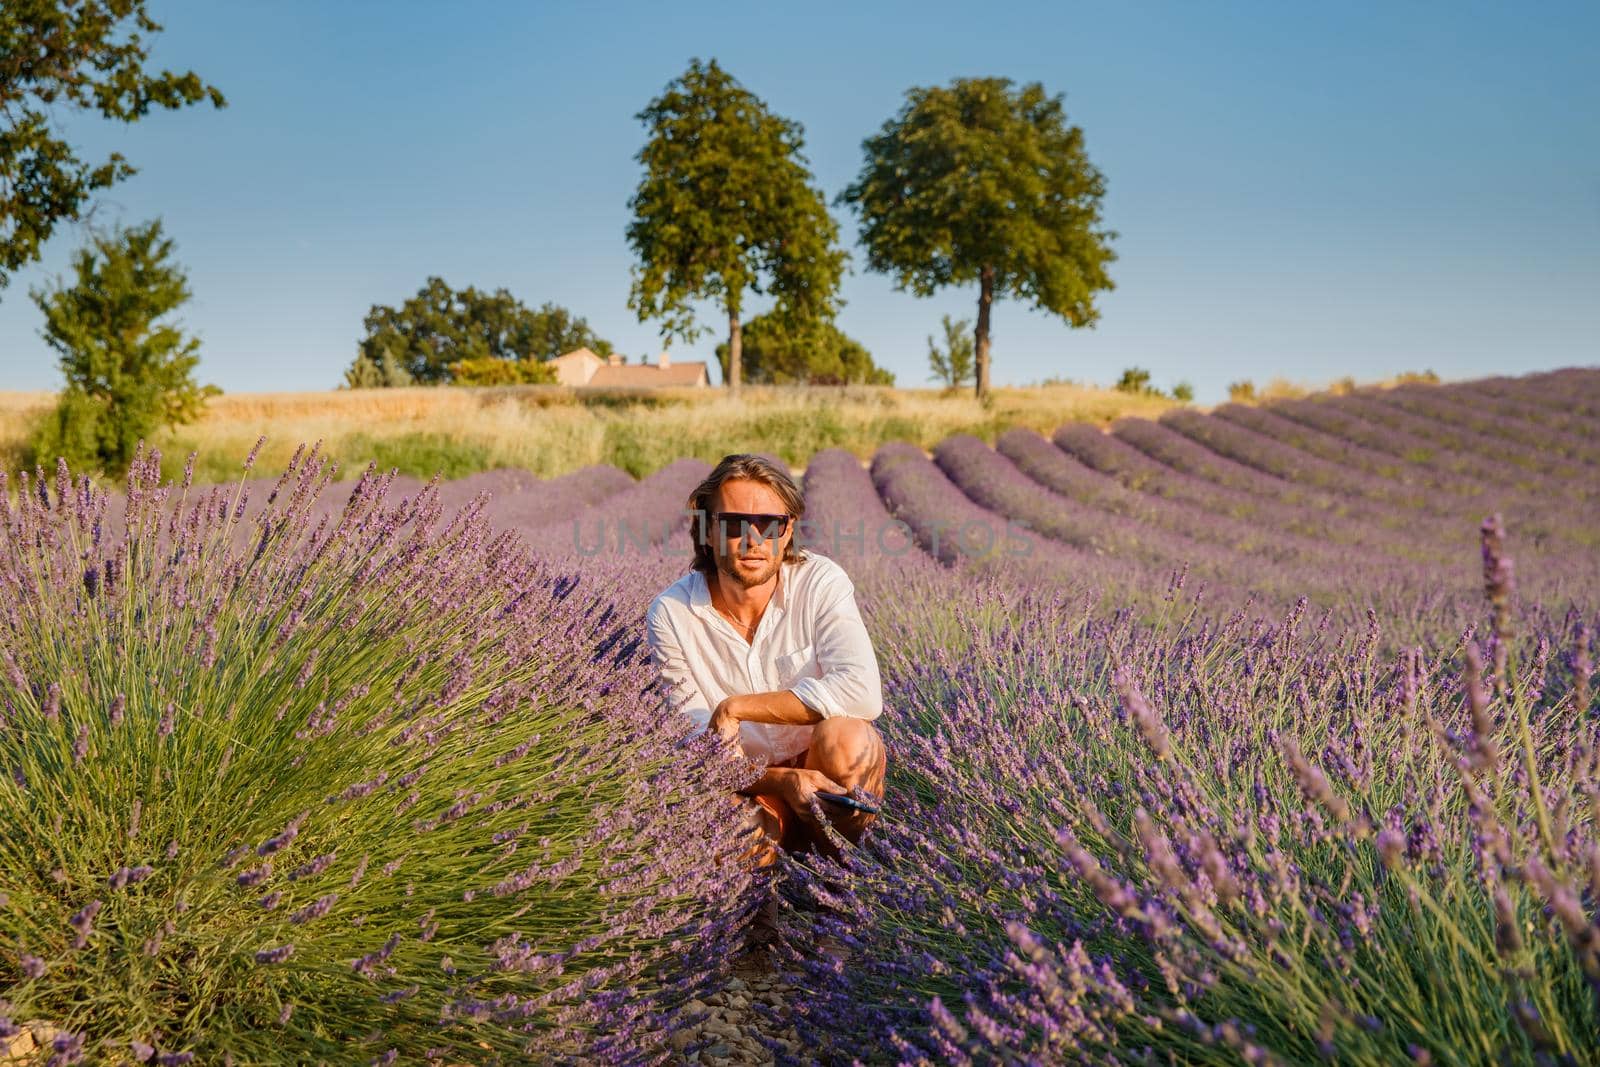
[(757, 469)]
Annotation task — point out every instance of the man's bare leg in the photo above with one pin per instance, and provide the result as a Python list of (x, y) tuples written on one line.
[(851, 752)]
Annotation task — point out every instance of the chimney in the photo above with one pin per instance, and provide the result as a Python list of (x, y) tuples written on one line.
[(664, 362), (614, 359)]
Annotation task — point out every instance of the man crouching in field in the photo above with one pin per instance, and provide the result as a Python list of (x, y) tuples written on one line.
[(762, 642)]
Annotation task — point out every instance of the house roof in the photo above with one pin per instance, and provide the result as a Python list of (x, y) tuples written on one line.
[(650, 374)]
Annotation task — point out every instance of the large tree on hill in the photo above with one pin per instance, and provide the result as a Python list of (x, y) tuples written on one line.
[(127, 372), (726, 206), (980, 182), (780, 352), (82, 55), (419, 340)]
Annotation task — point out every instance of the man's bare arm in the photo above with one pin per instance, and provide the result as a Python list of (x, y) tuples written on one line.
[(779, 706)]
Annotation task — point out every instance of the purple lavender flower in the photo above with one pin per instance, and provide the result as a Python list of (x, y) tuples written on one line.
[(126, 876), (83, 922), (281, 840), (65, 1048), (275, 955), (254, 876), (315, 910)]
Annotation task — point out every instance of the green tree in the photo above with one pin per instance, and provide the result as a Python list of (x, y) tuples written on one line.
[(727, 205), (952, 364), (440, 326), (126, 371), (978, 182), (83, 55), (778, 351)]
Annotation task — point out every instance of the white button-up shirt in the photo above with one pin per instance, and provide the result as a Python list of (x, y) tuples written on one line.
[(810, 640)]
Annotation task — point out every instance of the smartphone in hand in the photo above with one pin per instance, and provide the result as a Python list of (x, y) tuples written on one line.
[(848, 801)]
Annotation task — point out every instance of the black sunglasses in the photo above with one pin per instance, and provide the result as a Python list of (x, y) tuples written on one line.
[(767, 527)]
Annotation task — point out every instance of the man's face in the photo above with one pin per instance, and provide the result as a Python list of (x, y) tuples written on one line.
[(747, 559)]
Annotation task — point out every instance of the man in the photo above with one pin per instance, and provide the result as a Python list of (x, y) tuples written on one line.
[(762, 643)]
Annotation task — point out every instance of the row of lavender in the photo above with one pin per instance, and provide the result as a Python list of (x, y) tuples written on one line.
[(1194, 838)]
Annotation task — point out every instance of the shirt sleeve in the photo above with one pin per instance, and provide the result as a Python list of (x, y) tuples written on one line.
[(850, 685), (683, 694)]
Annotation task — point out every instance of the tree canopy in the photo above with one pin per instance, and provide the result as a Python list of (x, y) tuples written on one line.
[(726, 206), (980, 182), (126, 372), (780, 352), (440, 326), (88, 55)]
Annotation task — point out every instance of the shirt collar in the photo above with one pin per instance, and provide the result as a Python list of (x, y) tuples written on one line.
[(700, 594)]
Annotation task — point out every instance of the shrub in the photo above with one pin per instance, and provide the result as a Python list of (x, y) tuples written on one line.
[(1135, 380), (1284, 389), (385, 372), (1242, 392), (284, 790), (493, 370)]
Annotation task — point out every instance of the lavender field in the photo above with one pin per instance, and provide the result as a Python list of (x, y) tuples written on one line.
[(1257, 736)]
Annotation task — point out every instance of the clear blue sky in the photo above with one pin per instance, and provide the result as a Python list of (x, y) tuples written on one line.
[(1308, 190)]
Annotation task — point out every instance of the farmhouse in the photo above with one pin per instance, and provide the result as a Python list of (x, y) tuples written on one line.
[(582, 367)]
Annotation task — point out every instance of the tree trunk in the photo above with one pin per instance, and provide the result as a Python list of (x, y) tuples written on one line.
[(981, 347), (735, 352)]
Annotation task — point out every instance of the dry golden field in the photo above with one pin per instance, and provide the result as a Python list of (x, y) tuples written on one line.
[(551, 430)]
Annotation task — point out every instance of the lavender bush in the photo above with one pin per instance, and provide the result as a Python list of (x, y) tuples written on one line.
[(1204, 843), (347, 792)]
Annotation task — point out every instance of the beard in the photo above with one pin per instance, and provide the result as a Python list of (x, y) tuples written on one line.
[(748, 575)]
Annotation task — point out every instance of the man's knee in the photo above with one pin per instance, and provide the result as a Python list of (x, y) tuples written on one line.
[(848, 750)]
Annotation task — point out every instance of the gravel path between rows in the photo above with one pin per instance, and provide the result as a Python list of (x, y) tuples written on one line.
[(735, 1027)]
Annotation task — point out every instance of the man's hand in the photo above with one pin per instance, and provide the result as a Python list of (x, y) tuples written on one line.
[(724, 722), (801, 784)]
